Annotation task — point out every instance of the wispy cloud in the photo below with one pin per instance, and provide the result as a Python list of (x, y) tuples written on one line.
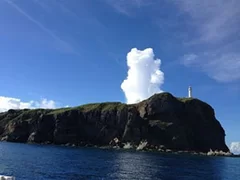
[(66, 9), (214, 20), (190, 59), (216, 27), (43, 5), (65, 45), (126, 6), (225, 67), (53, 5), (221, 67)]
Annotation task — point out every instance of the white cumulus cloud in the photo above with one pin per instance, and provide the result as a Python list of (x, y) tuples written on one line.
[(235, 147), (7, 103), (144, 75)]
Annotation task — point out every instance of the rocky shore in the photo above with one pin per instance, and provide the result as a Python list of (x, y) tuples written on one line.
[(162, 123)]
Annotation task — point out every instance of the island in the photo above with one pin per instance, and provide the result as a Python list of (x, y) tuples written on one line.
[(162, 122)]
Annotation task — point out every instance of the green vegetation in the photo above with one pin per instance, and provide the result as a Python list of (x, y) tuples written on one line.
[(185, 99), (89, 107), (107, 106), (111, 106), (36, 111), (163, 96), (59, 111), (160, 123)]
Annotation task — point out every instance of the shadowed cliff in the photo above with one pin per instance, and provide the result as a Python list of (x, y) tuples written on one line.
[(162, 120)]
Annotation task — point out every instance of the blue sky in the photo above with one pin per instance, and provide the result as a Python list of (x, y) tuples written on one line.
[(55, 53)]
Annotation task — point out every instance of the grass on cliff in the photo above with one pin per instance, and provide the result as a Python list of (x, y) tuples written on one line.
[(107, 106), (60, 110), (166, 95), (185, 99)]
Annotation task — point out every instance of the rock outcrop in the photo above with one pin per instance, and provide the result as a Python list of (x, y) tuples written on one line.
[(162, 121)]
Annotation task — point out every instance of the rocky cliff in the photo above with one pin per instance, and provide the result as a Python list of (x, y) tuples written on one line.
[(163, 121)]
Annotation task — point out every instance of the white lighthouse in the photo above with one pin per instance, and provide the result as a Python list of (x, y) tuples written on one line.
[(190, 92)]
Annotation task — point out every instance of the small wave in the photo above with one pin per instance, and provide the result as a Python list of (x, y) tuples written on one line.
[(2, 177), (128, 145), (142, 145)]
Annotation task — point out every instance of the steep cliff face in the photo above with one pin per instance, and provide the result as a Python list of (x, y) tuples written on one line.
[(161, 120)]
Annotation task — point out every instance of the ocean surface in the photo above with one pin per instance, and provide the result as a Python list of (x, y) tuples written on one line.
[(32, 162)]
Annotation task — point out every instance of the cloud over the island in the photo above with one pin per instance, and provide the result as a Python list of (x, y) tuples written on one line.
[(144, 76), (235, 147), (7, 103)]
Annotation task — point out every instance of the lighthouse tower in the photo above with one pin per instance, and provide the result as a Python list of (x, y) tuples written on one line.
[(190, 92)]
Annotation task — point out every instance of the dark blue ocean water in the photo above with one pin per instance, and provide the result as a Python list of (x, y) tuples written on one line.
[(32, 162)]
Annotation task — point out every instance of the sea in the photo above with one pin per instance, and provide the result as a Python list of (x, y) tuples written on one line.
[(41, 162)]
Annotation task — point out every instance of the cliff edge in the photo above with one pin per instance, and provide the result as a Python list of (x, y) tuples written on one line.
[(163, 121)]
